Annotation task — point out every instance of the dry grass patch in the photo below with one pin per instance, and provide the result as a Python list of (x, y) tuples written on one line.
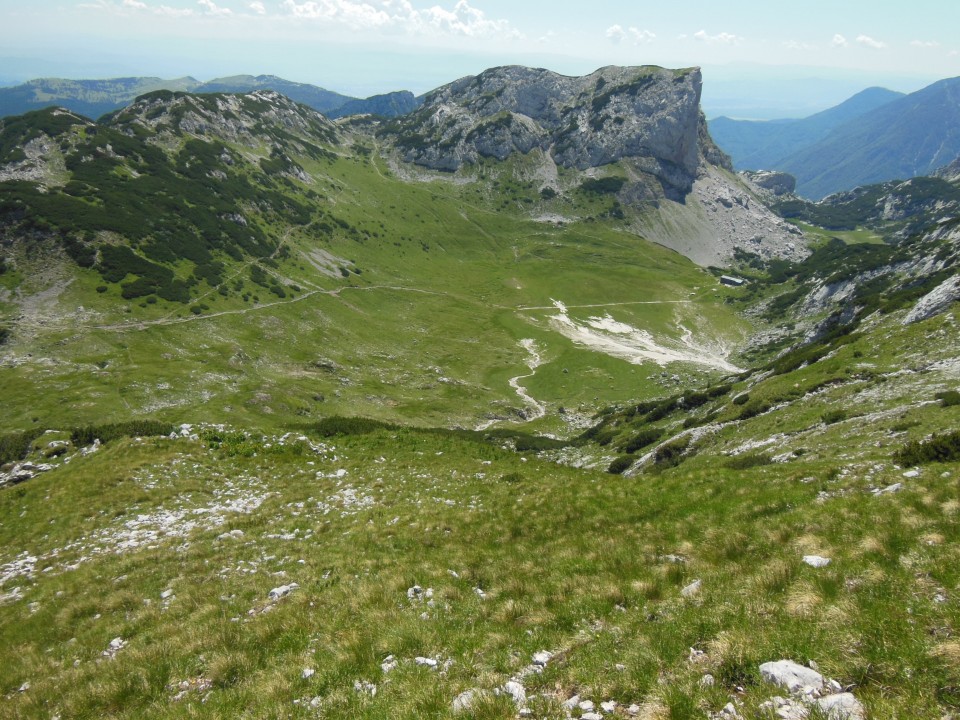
[(803, 600)]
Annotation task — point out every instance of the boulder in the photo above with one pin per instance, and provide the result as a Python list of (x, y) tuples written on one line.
[(935, 301), (792, 676), (841, 706), (465, 701)]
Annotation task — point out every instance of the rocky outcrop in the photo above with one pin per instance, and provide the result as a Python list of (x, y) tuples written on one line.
[(774, 182), (809, 690), (246, 119), (650, 115), (936, 301), (951, 172)]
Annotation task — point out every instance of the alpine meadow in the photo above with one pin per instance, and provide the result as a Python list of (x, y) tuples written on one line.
[(512, 399)]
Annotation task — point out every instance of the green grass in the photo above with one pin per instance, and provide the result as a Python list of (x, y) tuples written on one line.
[(850, 237), (568, 560), (427, 332), (332, 444)]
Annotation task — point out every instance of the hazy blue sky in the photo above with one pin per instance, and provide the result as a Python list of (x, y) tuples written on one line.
[(361, 47)]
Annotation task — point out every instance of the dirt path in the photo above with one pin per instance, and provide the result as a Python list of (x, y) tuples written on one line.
[(144, 324), (535, 409), (538, 409), (603, 305)]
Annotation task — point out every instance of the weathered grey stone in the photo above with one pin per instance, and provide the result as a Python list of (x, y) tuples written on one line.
[(841, 706), (777, 183), (634, 112), (790, 675), (935, 301), (282, 591), (785, 708), (389, 663), (516, 691), (692, 590), (816, 561), (466, 700), (542, 658), (896, 487)]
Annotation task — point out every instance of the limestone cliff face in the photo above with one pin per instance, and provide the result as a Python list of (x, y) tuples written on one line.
[(650, 115)]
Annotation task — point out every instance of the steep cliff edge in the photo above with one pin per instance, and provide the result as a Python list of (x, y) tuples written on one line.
[(641, 122), (649, 114)]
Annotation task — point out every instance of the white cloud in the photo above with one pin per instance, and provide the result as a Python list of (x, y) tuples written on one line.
[(138, 6), (465, 20), (354, 14), (721, 38), (642, 36), (839, 41), (797, 45), (462, 20), (210, 8), (174, 12), (258, 8), (925, 43), (869, 42), (615, 34)]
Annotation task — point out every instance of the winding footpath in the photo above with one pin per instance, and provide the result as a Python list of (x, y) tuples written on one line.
[(535, 409)]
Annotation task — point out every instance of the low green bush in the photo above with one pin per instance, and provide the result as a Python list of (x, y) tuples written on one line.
[(833, 416), (15, 446), (939, 448), (620, 465), (948, 398), (672, 453), (112, 431), (643, 438), (746, 461), (339, 425)]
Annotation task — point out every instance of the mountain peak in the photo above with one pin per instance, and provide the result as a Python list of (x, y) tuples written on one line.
[(647, 113)]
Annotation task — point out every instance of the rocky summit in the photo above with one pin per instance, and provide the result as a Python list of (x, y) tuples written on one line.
[(650, 115)]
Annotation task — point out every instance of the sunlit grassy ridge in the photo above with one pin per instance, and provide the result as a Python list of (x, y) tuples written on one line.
[(520, 555), (420, 307)]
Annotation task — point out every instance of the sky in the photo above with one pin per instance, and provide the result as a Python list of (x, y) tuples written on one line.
[(761, 59)]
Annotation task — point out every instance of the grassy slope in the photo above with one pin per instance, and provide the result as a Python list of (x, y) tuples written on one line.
[(438, 296), (571, 561)]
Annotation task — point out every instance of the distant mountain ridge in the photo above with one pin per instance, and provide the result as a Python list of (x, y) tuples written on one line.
[(762, 145), (911, 136), (873, 137), (95, 98), (91, 98)]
